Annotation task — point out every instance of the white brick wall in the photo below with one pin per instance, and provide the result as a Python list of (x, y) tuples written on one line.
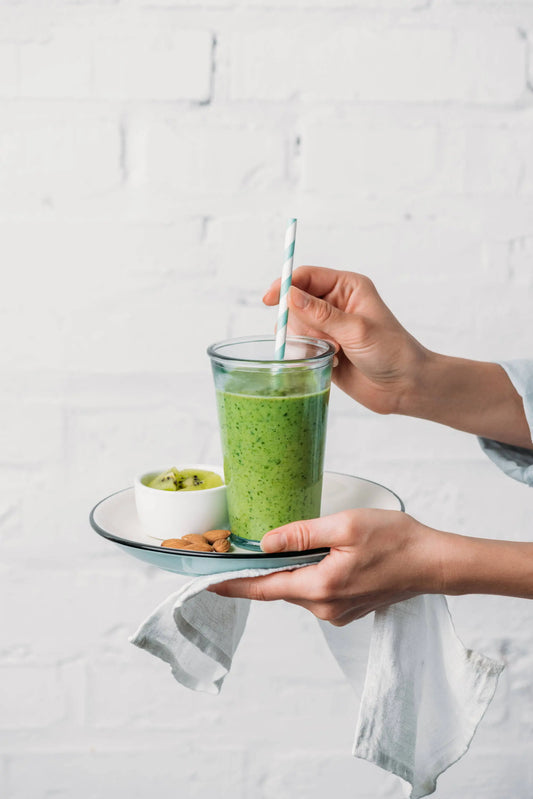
[(149, 153), (372, 64)]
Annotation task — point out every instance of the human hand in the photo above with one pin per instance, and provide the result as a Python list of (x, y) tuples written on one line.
[(378, 361), (377, 558)]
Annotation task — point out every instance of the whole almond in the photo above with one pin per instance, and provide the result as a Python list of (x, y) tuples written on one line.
[(201, 547), (194, 538), (221, 545), (176, 543), (216, 535)]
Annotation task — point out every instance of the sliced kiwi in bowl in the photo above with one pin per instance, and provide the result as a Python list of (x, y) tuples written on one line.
[(185, 480)]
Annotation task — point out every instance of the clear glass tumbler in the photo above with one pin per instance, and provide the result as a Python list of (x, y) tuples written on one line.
[(272, 417)]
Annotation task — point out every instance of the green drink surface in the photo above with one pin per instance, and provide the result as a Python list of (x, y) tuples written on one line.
[(273, 458)]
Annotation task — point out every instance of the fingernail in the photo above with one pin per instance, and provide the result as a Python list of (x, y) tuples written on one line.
[(274, 542), (335, 361), (299, 298)]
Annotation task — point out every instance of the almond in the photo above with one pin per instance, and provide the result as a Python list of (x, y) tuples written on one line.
[(216, 535), (201, 547), (194, 538), (176, 543), (221, 545)]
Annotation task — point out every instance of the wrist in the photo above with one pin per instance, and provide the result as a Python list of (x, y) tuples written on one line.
[(415, 395), (485, 566), (458, 564), (474, 396), (435, 557), (430, 386)]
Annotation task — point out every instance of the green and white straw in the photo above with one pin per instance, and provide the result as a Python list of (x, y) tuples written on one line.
[(286, 277)]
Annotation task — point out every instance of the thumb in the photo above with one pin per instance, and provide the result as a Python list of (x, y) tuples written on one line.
[(322, 315), (327, 531)]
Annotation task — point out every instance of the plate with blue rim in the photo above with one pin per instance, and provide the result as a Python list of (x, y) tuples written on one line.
[(115, 519)]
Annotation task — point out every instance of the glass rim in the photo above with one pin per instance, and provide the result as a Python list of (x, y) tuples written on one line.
[(327, 347)]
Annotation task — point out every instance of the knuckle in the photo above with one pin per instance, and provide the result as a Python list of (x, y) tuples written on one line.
[(322, 591), (323, 611), (315, 594), (328, 588), (339, 622), (346, 519), (300, 537), (362, 284), (361, 327), (257, 592), (322, 311)]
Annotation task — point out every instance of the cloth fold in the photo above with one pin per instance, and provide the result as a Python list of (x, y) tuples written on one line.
[(423, 696), (516, 462), (197, 632)]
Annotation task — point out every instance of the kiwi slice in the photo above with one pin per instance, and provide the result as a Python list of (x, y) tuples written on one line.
[(197, 479), (186, 480), (167, 481)]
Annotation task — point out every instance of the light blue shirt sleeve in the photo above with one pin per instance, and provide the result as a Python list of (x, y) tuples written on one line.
[(517, 462)]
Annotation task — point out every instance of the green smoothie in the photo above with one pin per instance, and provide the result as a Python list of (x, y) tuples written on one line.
[(273, 455)]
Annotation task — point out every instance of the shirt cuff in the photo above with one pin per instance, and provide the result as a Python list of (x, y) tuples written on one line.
[(516, 462)]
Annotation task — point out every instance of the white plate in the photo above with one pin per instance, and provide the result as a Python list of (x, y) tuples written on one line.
[(115, 518)]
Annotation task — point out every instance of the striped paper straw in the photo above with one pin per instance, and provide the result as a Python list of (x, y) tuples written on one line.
[(286, 277)]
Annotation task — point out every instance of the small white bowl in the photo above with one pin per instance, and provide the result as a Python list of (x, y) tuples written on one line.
[(172, 514)]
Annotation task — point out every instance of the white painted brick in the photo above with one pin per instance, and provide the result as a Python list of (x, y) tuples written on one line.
[(379, 65), (482, 773), (324, 772), (52, 159), (285, 642), (476, 77), (46, 505), (368, 160), (481, 330), (519, 258), (14, 481), (177, 4), (282, 6), (491, 217), (31, 696), (491, 4), (397, 437), (134, 214), (396, 252), (321, 713), (114, 341), (110, 681), (128, 441), (34, 434), (89, 773), (57, 67), (191, 159), (253, 248), (3, 777), (42, 345), (8, 69), (500, 159), (89, 263), (164, 64), (251, 320), (335, 5), (91, 611)]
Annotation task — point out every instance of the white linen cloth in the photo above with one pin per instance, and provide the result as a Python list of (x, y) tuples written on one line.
[(424, 694), (517, 462)]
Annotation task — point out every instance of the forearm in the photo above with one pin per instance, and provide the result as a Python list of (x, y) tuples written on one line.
[(472, 396), (483, 566)]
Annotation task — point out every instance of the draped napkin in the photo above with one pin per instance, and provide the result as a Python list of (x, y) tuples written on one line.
[(423, 696)]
